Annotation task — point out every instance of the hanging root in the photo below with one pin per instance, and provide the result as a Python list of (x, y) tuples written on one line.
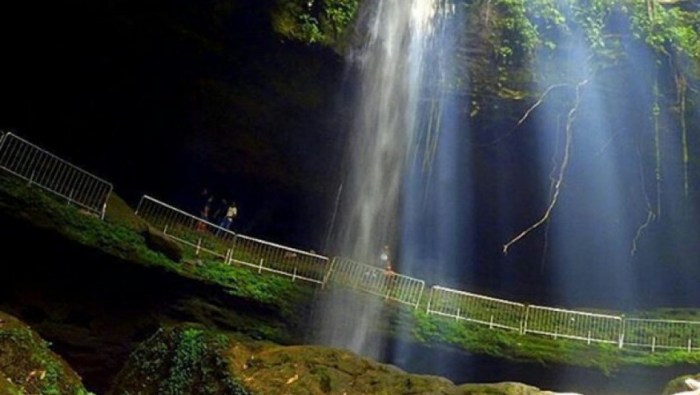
[(640, 231), (552, 180), (558, 181), (653, 212), (526, 115), (681, 88)]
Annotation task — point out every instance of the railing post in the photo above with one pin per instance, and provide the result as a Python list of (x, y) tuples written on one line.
[(430, 301), (261, 265), (525, 319), (138, 207), (199, 245), (327, 274), (623, 325), (233, 247), (420, 294)]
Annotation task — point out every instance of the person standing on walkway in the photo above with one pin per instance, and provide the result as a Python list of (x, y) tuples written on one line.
[(231, 213), (384, 257), (205, 213), (389, 273)]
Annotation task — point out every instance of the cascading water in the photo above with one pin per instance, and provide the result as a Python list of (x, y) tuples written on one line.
[(395, 68), (391, 69), (415, 176)]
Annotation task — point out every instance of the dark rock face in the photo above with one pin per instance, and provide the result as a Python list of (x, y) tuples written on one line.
[(95, 308)]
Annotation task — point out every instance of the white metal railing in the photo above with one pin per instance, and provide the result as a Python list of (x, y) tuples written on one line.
[(599, 328), (276, 258), (202, 235), (476, 308), (561, 323), (48, 171), (206, 237), (662, 334), (376, 281)]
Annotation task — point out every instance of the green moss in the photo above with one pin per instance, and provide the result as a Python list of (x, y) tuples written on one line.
[(7, 387), (180, 360), (28, 365), (608, 358)]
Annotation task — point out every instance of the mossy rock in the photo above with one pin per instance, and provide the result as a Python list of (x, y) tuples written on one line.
[(678, 384), (27, 366), (323, 370), (188, 359), (500, 389), (120, 213), (157, 241), (184, 359), (318, 370), (7, 387)]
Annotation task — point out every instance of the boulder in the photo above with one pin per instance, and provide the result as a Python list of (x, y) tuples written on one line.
[(185, 359), (157, 241), (681, 385), (193, 360), (28, 366)]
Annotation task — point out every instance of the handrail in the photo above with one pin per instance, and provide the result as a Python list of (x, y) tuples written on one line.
[(54, 174)]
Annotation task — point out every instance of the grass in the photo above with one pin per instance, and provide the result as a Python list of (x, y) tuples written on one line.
[(511, 345), (121, 235)]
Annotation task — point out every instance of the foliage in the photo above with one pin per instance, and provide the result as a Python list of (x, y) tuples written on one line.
[(521, 33), (314, 21)]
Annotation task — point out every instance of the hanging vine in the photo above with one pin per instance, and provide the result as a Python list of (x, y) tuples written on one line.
[(681, 90), (559, 179)]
